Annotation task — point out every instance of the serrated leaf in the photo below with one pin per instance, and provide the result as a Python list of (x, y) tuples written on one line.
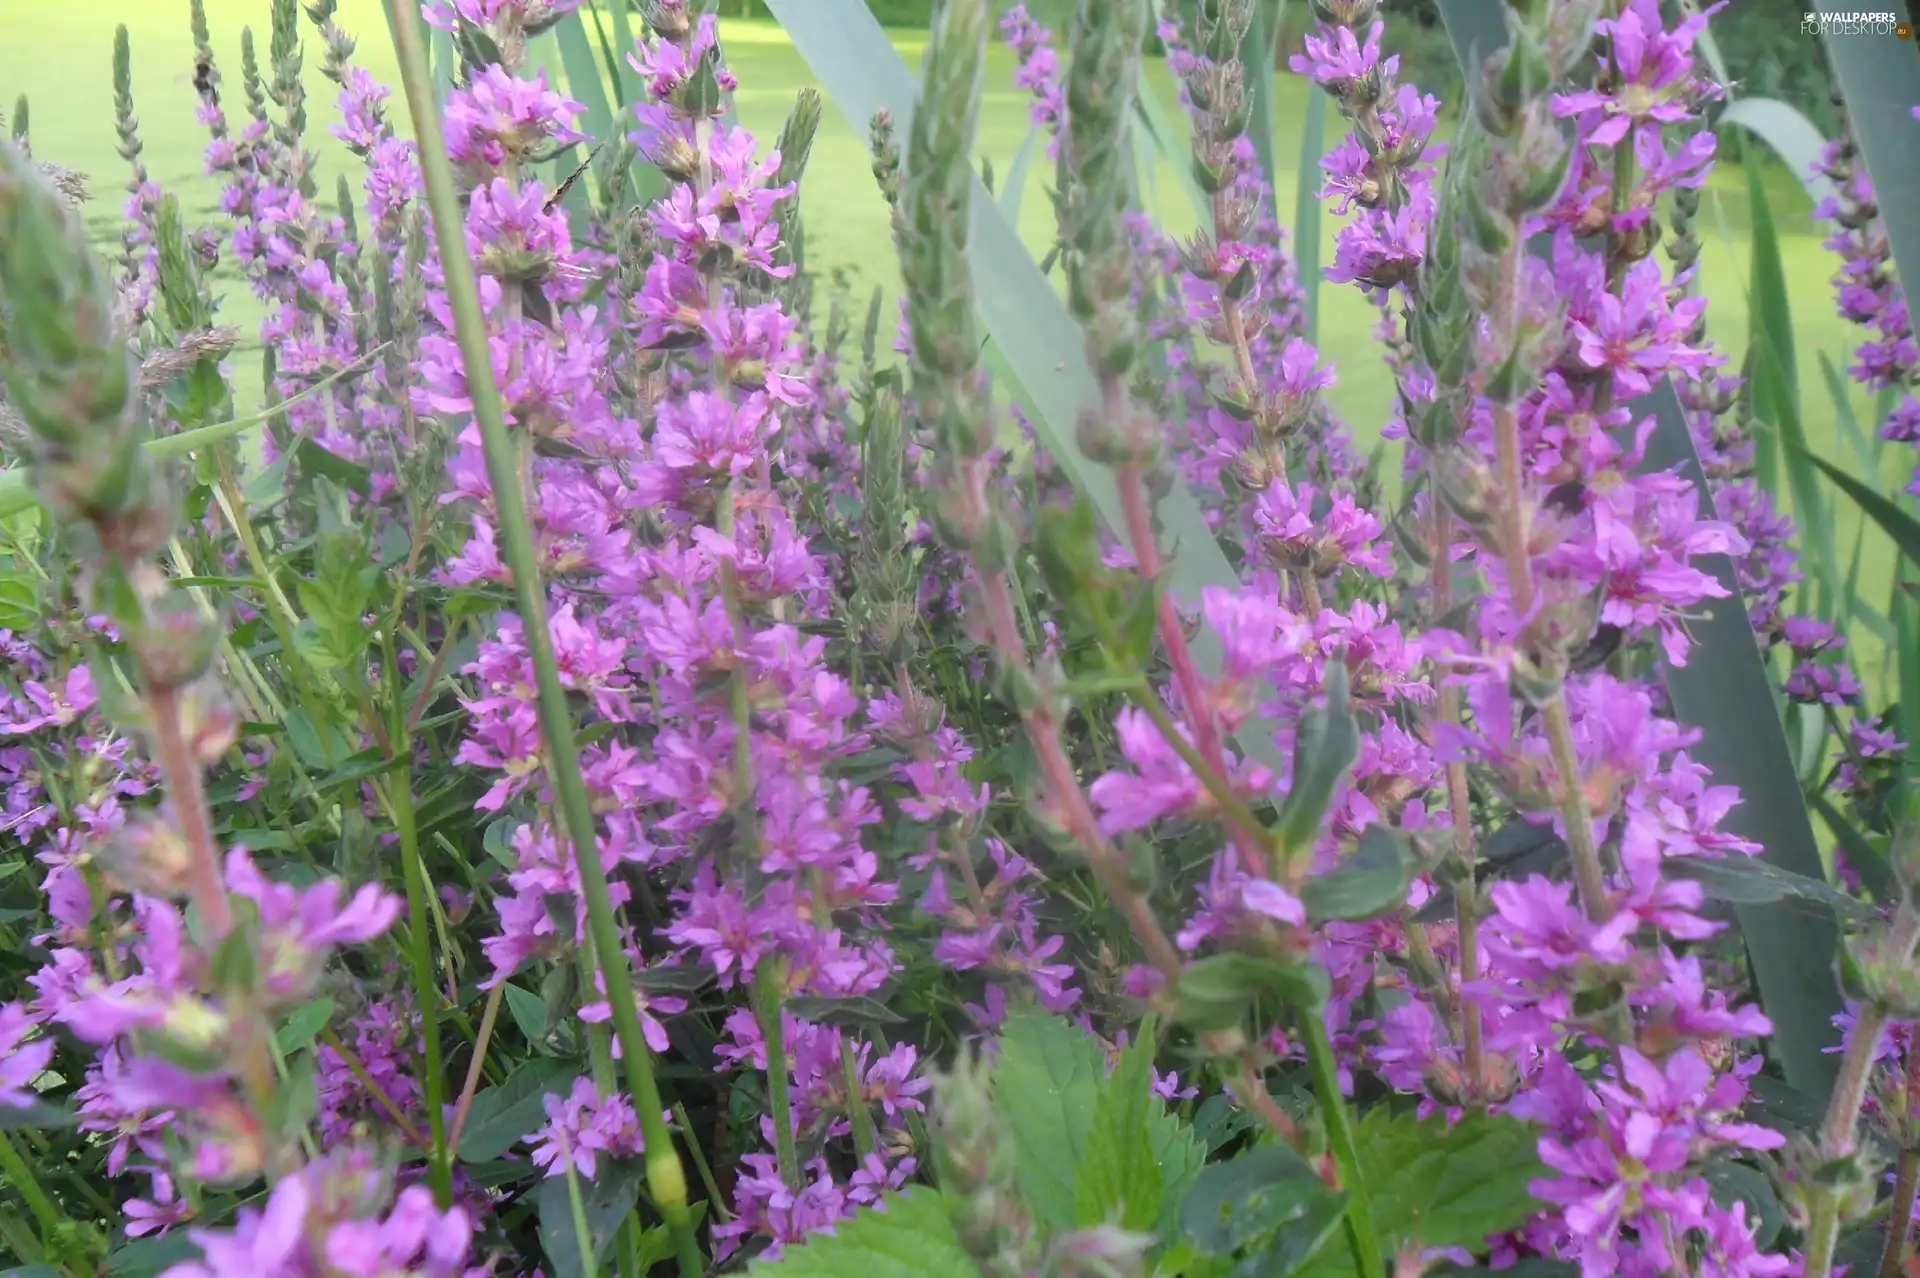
[(1371, 882), (913, 1237), (609, 1198), (1120, 1182), (501, 1116), (1432, 1185), (303, 1025)]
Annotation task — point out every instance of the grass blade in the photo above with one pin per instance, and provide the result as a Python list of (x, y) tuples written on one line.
[(1037, 338), (1906, 631), (1776, 385), (1881, 84), (1166, 137), (1895, 522), (1306, 210), (584, 83), (1257, 61), (1730, 698), (1789, 134)]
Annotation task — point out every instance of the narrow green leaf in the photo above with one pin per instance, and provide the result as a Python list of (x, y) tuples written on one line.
[(1306, 209), (912, 1238), (1867, 861), (606, 1200), (584, 83), (1882, 88), (1789, 134), (1168, 140), (1741, 880), (1257, 62), (1036, 336), (528, 1012), (303, 1024), (501, 1116), (1895, 522), (1776, 400), (623, 44), (1906, 631)]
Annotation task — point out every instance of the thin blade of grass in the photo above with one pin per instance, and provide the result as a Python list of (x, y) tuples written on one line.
[(1730, 698), (584, 83), (1306, 209), (1906, 632), (1256, 59), (1166, 137), (1038, 341), (1880, 80), (1895, 522), (1776, 385)]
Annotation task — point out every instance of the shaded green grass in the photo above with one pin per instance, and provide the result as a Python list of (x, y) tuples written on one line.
[(59, 55)]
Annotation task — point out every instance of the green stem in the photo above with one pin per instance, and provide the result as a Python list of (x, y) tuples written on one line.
[(1346, 1156), (769, 983), (666, 1179), (440, 1168), (21, 1177), (857, 1109)]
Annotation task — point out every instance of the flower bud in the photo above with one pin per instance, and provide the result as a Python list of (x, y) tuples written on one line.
[(149, 855)]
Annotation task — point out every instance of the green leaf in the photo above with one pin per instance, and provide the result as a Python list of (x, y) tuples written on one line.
[(1038, 339), (1791, 136), (1735, 1182), (32, 1271), (1016, 183), (1907, 644), (38, 1114), (1235, 1204), (314, 459), (1120, 1180), (583, 82), (1257, 62), (1432, 1185), (912, 1238), (528, 1012), (1167, 138), (855, 1010), (1869, 862), (19, 602), (1895, 522), (1371, 882), (1776, 390), (609, 1198), (1324, 751), (1306, 210), (1217, 992), (1748, 880), (303, 1024), (1877, 77), (1047, 1085), (501, 1116)]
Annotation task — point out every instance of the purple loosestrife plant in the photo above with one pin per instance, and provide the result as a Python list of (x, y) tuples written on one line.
[(784, 770)]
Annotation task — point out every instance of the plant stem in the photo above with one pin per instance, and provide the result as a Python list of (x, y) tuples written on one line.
[(440, 1168), (858, 1111), (666, 1180), (208, 887), (1842, 1121), (1346, 1156), (21, 1177), (1906, 1178), (769, 980), (1240, 818), (488, 1015)]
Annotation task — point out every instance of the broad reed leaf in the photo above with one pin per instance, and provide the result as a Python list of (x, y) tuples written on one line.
[(1788, 134), (1036, 337), (1880, 79)]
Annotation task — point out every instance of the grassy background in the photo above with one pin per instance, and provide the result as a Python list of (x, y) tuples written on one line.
[(59, 56)]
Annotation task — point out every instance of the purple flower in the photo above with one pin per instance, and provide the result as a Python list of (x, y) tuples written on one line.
[(21, 1062)]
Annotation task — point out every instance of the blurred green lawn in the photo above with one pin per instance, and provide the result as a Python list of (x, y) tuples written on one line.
[(59, 56)]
